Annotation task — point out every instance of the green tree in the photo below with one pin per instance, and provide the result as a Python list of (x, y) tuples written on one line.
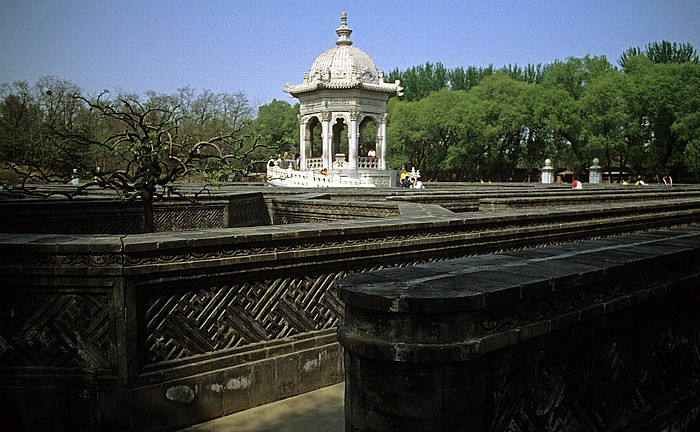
[(420, 81), (407, 140), (443, 120), (500, 112), (278, 126), (661, 52), (687, 116), (21, 122), (531, 74), (465, 79), (666, 92), (605, 110), (569, 80)]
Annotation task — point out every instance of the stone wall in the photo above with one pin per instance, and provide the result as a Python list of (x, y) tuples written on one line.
[(590, 336), (581, 198), (321, 208), (161, 331), (108, 216)]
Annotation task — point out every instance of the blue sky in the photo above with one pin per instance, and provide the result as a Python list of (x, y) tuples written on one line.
[(257, 46)]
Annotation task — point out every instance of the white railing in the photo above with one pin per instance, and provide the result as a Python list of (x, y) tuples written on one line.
[(362, 163), (289, 177), (368, 163), (314, 163)]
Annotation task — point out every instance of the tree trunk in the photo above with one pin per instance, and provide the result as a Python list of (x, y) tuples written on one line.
[(147, 199)]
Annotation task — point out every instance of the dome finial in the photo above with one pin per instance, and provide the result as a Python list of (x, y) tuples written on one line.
[(343, 31)]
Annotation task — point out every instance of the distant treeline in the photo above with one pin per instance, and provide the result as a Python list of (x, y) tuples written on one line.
[(641, 116)]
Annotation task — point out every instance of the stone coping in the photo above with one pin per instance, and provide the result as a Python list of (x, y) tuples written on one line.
[(223, 236), (463, 308), (427, 216), (470, 283), (420, 227)]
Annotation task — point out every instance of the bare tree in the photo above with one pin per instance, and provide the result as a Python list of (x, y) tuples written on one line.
[(145, 151)]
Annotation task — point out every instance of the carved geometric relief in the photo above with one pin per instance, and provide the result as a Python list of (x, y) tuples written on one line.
[(608, 382), (180, 323), (64, 330), (248, 212), (181, 218)]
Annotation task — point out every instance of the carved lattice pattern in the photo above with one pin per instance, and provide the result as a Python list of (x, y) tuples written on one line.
[(188, 218), (56, 330), (611, 383), (184, 323), (248, 212)]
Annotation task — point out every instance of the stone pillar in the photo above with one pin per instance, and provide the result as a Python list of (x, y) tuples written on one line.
[(381, 142), (594, 172), (547, 172), (327, 140), (302, 143), (352, 140), (75, 177)]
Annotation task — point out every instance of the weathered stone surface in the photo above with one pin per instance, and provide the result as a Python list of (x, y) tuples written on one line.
[(582, 337), (109, 216), (132, 316)]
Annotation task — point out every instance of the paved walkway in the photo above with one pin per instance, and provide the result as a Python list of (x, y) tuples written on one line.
[(318, 411)]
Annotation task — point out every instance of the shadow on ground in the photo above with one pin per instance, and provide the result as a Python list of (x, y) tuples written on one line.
[(317, 411)]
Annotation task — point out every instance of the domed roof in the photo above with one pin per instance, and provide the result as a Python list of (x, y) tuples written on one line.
[(343, 66), (344, 61)]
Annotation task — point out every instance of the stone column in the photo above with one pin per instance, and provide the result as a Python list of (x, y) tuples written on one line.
[(381, 142), (327, 140), (594, 172), (547, 172), (302, 142), (352, 140)]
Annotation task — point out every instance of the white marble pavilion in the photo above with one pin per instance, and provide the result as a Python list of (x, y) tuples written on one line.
[(342, 93)]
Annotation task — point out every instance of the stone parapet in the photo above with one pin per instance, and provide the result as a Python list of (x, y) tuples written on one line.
[(600, 332), (109, 216), (579, 199)]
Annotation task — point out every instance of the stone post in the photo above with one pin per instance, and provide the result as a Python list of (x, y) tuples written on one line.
[(75, 177), (547, 172), (594, 172), (327, 140), (381, 142), (404, 359), (302, 142), (352, 141)]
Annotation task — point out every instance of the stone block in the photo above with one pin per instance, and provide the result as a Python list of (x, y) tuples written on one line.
[(287, 371), (114, 409), (236, 388), (264, 388)]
